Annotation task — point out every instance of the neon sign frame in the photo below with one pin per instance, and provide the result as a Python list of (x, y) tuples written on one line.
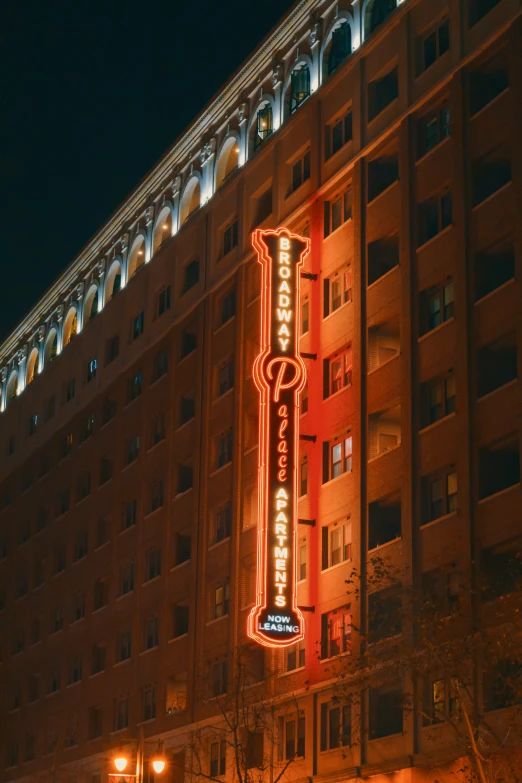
[(280, 376)]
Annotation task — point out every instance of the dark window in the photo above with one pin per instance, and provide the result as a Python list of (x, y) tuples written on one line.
[(384, 521), (109, 410), (301, 171), (81, 547), (86, 429), (385, 707), (84, 486), (127, 578), (501, 570), (222, 524), (219, 678), (225, 377), (263, 125), (98, 659), (336, 726), (152, 564), (149, 703), (479, 8), (185, 478), (221, 600), (33, 424), (494, 268), (102, 532), (337, 211), (75, 669), (499, 466), (134, 387), (263, 206), (163, 301), (137, 325), (438, 495), (230, 237), (161, 365), (112, 348), (295, 657), (382, 173), (437, 304), (303, 477), (435, 215), (255, 751), (432, 129), (488, 81), (105, 470), (124, 645), (502, 684), (187, 408), (182, 546), (151, 633), (158, 429), (338, 134), (440, 593), (305, 316), (340, 47), (180, 621), (156, 493), (62, 502), (376, 13), (100, 593), (382, 92), (489, 174), (293, 731), (433, 46), (336, 632), (121, 718), (384, 614), (189, 343), (437, 399), (224, 447), (383, 256), (132, 449), (191, 276), (50, 407), (227, 306), (299, 87), (496, 364), (129, 514), (218, 758)]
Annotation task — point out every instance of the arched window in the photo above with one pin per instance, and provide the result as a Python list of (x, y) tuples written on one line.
[(12, 386), (113, 280), (262, 126), (136, 256), (32, 366), (90, 307), (228, 160), (51, 347), (338, 49), (299, 86), (70, 326), (162, 229), (376, 12), (191, 199)]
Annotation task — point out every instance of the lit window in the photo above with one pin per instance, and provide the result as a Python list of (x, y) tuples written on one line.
[(218, 758), (221, 600), (337, 458), (336, 632), (295, 656), (337, 211), (337, 291), (336, 544), (92, 366)]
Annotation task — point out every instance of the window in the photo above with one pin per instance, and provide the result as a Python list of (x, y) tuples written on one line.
[(230, 237), (75, 669), (189, 343), (439, 496), (129, 514), (37, 573), (433, 129), (438, 399), (494, 268), (191, 276), (336, 725), (336, 544), (112, 349), (92, 366), (151, 633), (225, 377), (305, 316), (497, 364), (227, 306), (50, 407), (262, 206), (59, 560), (86, 429), (152, 564), (163, 300), (382, 92), (433, 46), (383, 256), (295, 656), (127, 574), (340, 47), (263, 124), (185, 478), (479, 8), (54, 680), (385, 708), (338, 134), (57, 620), (158, 429), (490, 173), (293, 735), (440, 592), (34, 688), (78, 610), (132, 449), (134, 387), (102, 532), (435, 215), (182, 546), (105, 470), (124, 646), (384, 521), (156, 494), (336, 632), (221, 600), (12, 755), (98, 658), (149, 703), (109, 410), (303, 477), (337, 457), (488, 81), (299, 87), (218, 758), (62, 503), (337, 372), (219, 678), (161, 365), (29, 743), (499, 466), (33, 424), (337, 290), (384, 614), (222, 524), (121, 716), (187, 407), (180, 618), (383, 171), (501, 570), (137, 326), (437, 304), (80, 545), (224, 445), (300, 171), (11, 445), (84, 486), (337, 210), (100, 593), (502, 684)]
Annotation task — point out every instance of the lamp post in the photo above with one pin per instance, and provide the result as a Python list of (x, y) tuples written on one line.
[(157, 759)]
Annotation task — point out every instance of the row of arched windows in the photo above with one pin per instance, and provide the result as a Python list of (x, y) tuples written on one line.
[(303, 76)]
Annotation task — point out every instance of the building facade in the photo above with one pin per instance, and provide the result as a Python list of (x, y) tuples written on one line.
[(388, 134)]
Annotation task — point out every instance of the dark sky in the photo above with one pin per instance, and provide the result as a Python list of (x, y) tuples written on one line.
[(91, 95)]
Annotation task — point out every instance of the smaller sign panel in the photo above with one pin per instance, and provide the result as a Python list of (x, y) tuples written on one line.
[(280, 376)]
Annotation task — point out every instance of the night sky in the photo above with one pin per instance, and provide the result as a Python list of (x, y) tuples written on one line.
[(91, 95)]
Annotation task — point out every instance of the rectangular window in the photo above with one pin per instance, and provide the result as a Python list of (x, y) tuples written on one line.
[(100, 593), (439, 496), (191, 276), (182, 547), (382, 92), (84, 486), (384, 614), (337, 210), (439, 700), (152, 564), (230, 237), (221, 600), (92, 366), (124, 645), (127, 578), (112, 349), (75, 669), (156, 495), (137, 325), (337, 457), (300, 171), (338, 134), (437, 304), (78, 611), (218, 758), (163, 300), (134, 387), (336, 726), (385, 712), (227, 306), (337, 290), (336, 632), (161, 365), (222, 524), (80, 546), (295, 656), (433, 129), (336, 544), (301, 568), (219, 678), (187, 407), (224, 446), (438, 399), (121, 717), (62, 502), (337, 371), (132, 449), (305, 316), (432, 46), (180, 621), (185, 478), (158, 429), (33, 424), (151, 633), (149, 703), (99, 658), (225, 377), (189, 342), (129, 514), (434, 215), (303, 477), (109, 410), (293, 735)]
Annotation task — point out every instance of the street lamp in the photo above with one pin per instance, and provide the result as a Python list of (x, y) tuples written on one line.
[(157, 759)]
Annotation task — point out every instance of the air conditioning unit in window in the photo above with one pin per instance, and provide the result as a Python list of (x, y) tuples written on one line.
[(177, 702)]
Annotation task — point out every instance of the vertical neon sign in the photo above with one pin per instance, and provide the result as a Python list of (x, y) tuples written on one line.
[(280, 375)]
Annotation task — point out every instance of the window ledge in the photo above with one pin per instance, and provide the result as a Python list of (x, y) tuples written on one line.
[(125, 468), (220, 470), (221, 396), (491, 197), (433, 239), (121, 663), (183, 358), (435, 329), (124, 595), (387, 736), (217, 544), (387, 543), (335, 657), (382, 453), (439, 519), (436, 423), (499, 493), (150, 581), (341, 148), (495, 290), (381, 194), (149, 650), (330, 481), (370, 372), (158, 379), (325, 239), (152, 513), (100, 609), (185, 423), (96, 674), (488, 105), (180, 565), (383, 277), (155, 445), (507, 385), (216, 620), (149, 720), (293, 671), (337, 565), (250, 450), (436, 147), (221, 327), (73, 684), (339, 391), (177, 638), (182, 494)]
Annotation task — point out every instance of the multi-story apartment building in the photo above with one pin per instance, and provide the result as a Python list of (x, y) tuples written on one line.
[(388, 133)]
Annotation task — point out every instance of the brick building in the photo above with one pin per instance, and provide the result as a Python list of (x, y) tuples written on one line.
[(390, 136)]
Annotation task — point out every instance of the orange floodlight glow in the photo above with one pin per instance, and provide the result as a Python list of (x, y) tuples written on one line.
[(280, 376)]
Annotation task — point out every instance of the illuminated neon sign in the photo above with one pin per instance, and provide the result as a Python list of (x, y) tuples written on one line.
[(280, 375)]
